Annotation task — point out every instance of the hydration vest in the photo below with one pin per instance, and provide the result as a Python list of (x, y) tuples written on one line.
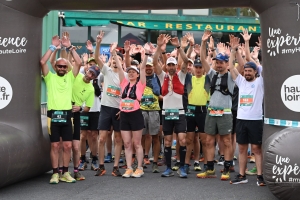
[(178, 87), (223, 85)]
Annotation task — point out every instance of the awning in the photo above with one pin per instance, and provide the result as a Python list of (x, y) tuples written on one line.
[(85, 22), (189, 26)]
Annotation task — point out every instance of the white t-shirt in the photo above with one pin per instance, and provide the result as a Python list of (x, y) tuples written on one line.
[(172, 100), (251, 96), (111, 94), (97, 103)]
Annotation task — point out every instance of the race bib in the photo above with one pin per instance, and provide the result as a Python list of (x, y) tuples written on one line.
[(84, 120), (171, 114), (147, 100), (59, 117), (246, 100), (190, 111), (113, 91), (216, 112), (127, 104)]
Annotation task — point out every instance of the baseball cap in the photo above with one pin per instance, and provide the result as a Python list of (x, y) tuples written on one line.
[(190, 60), (134, 68), (95, 69), (197, 63), (135, 62), (172, 60), (250, 65), (149, 61), (91, 59), (221, 57)]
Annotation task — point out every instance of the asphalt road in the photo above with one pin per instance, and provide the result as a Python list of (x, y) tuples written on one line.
[(150, 186)]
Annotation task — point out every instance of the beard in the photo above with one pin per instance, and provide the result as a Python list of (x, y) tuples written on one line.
[(59, 73), (249, 78)]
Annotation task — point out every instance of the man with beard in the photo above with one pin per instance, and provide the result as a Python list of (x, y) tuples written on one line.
[(219, 118), (173, 110), (150, 110), (59, 86), (110, 112), (249, 125)]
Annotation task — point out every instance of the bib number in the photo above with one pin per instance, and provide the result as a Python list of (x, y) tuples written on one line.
[(113, 91), (171, 114), (127, 104), (147, 100), (59, 117), (190, 111), (246, 100), (84, 120), (216, 112)]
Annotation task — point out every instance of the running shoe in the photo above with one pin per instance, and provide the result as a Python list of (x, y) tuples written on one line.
[(252, 159), (221, 160), (252, 171), (138, 173), (201, 159), (108, 159), (100, 171), (173, 145), (66, 177), (260, 181), (234, 158), (78, 176), (94, 165), (116, 172), (146, 161), (82, 165), (128, 173), (225, 176), (182, 172), (54, 179), (167, 173), (161, 155), (197, 167), (239, 179), (187, 168), (176, 166), (207, 174), (155, 168)]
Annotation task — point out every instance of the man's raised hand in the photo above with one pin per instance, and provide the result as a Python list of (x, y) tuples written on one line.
[(56, 41), (100, 36), (206, 35), (175, 41), (246, 35), (127, 46), (89, 46)]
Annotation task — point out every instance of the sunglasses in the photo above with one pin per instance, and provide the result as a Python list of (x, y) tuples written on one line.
[(62, 66)]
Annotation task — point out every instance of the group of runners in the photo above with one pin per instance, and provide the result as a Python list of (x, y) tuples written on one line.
[(197, 94)]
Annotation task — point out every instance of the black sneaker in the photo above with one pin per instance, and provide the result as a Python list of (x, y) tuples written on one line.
[(116, 172), (221, 160), (239, 179), (176, 166), (260, 180)]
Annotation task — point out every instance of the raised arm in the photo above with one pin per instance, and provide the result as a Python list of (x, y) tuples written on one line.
[(143, 65), (90, 48), (127, 53), (65, 41), (191, 40), (175, 42), (53, 59), (160, 42), (55, 42), (234, 48), (247, 38), (113, 47), (205, 37), (97, 54)]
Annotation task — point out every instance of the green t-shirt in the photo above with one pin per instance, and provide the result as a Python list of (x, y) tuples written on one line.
[(59, 91), (82, 92)]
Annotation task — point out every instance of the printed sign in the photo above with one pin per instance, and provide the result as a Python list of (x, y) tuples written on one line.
[(6, 92), (12, 45), (290, 93)]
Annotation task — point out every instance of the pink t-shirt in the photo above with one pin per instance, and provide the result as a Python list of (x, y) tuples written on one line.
[(130, 105)]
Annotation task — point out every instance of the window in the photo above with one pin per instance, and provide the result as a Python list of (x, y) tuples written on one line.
[(174, 12), (135, 11), (134, 35), (247, 12), (224, 11), (111, 33), (195, 11), (77, 34)]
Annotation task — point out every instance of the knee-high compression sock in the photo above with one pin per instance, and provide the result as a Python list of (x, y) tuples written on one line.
[(182, 152), (168, 155)]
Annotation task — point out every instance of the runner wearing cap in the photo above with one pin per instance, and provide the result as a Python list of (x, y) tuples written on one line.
[(83, 92), (173, 110), (131, 118), (219, 118), (150, 110), (249, 125)]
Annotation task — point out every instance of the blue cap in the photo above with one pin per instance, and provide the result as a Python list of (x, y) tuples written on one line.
[(250, 65), (95, 69), (197, 63), (221, 57)]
